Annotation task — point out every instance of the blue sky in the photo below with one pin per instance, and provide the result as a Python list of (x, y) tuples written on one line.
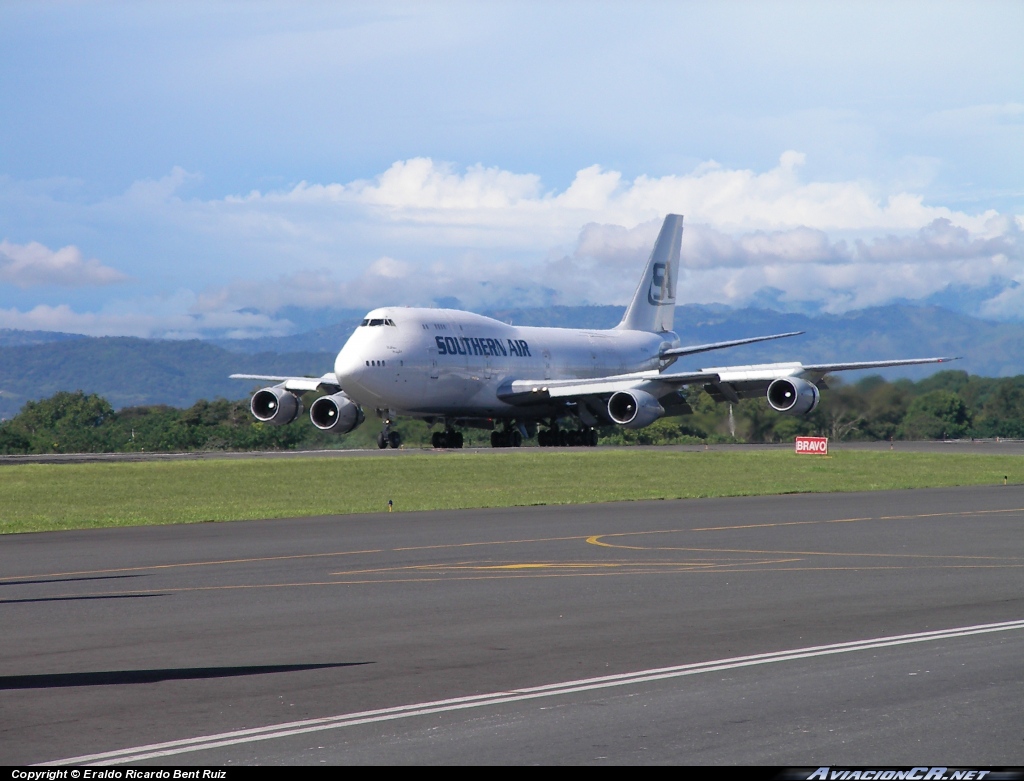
[(197, 169)]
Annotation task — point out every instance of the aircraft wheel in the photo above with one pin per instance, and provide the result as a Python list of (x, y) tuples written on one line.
[(592, 438), (495, 439), (382, 441), (563, 438), (515, 439), (457, 436), (437, 440), (395, 439)]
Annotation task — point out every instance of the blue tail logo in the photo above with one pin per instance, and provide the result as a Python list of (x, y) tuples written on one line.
[(661, 285)]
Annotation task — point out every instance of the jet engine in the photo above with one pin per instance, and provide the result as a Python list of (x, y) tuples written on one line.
[(337, 413), (793, 396), (634, 408), (275, 406)]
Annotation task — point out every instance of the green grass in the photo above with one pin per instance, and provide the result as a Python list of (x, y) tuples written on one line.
[(40, 497)]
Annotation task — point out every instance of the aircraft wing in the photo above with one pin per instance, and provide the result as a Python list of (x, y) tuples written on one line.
[(825, 368), (725, 383), (703, 348), (528, 391), (327, 382), (744, 382)]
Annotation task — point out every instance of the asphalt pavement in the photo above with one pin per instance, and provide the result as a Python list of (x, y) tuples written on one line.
[(874, 628)]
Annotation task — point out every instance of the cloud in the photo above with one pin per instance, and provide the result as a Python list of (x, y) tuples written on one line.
[(424, 232), (392, 282), (166, 318), (307, 288), (979, 120), (421, 184), (156, 191), (32, 265), (434, 195), (802, 265)]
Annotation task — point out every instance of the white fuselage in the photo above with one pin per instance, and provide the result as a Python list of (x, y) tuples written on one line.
[(445, 362)]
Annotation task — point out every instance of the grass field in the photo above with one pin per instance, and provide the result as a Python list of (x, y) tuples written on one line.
[(37, 497)]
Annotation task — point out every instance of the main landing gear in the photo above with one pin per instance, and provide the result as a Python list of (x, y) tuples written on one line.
[(449, 438), (387, 437), (556, 437), (510, 437)]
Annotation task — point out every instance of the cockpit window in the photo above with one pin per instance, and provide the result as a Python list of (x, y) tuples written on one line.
[(378, 321)]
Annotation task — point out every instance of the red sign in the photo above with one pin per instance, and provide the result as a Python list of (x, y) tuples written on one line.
[(816, 445)]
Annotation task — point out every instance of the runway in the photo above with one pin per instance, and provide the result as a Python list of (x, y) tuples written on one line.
[(877, 628)]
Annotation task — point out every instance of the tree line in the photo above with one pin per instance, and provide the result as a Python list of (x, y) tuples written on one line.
[(947, 405)]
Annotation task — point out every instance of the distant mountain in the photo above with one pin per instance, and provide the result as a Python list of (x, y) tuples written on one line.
[(328, 338), (10, 337), (896, 331), (128, 371), (131, 372), (562, 316)]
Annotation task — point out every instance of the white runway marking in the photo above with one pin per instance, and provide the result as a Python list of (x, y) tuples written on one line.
[(171, 748)]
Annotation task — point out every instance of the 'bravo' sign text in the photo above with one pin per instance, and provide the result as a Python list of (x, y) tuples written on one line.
[(816, 445)]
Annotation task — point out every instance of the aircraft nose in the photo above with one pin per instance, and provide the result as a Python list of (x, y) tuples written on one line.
[(348, 367)]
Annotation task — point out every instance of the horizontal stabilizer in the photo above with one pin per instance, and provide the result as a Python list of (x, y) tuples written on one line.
[(703, 348)]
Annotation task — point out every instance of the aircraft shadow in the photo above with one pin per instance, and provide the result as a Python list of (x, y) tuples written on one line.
[(71, 599), (31, 581), (120, 677)]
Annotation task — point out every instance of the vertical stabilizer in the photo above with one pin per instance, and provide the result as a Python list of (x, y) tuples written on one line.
[(653, 306)]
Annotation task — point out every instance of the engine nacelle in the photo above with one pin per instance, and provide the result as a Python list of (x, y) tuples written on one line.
[(275, 406), (792, 396), (337, 413), (634, 409)]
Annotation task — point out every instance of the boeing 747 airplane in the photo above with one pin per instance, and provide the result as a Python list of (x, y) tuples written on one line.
[(558, 384)]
